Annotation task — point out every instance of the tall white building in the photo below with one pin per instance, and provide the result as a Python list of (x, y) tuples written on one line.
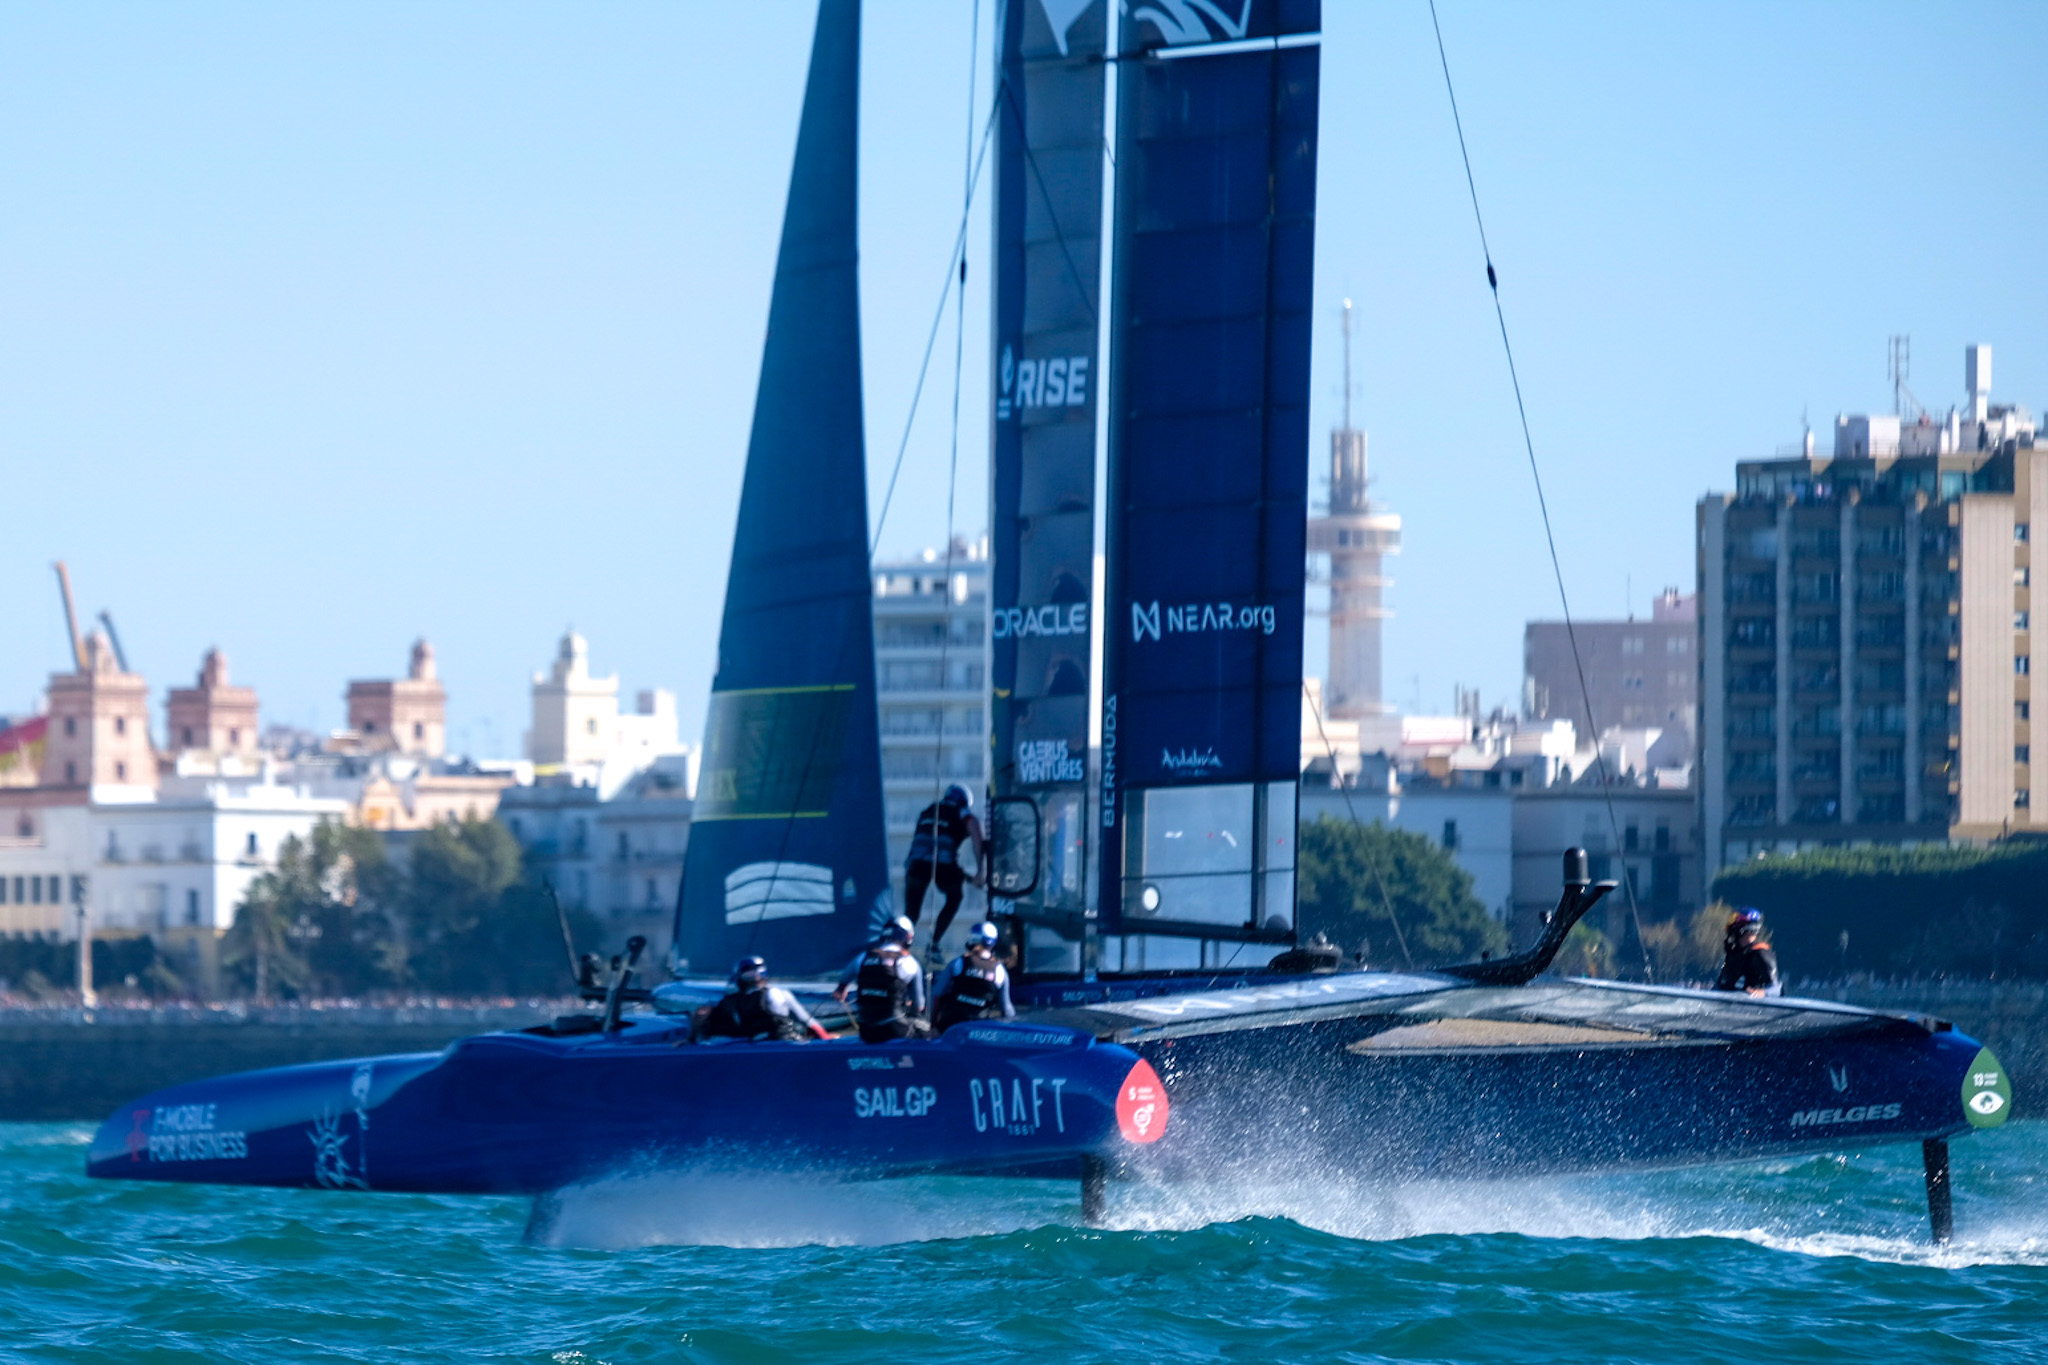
[(577, 720), (931, 676), (1356, 539)]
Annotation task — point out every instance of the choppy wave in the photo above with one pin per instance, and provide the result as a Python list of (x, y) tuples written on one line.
[(1817, 1259)]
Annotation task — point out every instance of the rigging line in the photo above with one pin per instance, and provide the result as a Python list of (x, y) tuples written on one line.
[(953, 471), (1316, 710), (931, 338), (846, 643), (1543, 505)]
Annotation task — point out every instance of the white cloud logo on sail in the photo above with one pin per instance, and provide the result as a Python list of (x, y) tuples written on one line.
[(1184, 21)]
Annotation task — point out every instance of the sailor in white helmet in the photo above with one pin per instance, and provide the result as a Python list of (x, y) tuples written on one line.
[(888, 987)]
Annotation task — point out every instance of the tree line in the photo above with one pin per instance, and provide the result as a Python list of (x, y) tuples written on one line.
[(339, 916), (1931, 909)]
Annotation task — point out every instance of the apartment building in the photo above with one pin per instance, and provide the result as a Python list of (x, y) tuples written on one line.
[(1866, 663)]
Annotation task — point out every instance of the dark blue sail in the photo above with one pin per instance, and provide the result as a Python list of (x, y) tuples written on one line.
[(786, 854), (1208, 467)]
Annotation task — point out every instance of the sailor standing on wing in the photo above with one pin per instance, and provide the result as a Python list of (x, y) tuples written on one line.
[(755, 1009), (942, 827), (1747, 963), (974, 985), (888, 987)]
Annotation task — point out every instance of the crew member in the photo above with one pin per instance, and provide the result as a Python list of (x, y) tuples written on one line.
[(755, 1009), (1747, 963), (888, 987), (974, 985), (942, 828)]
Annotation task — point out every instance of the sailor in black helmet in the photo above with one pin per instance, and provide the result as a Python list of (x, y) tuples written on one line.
[(942, 827), (888, 987), (1748, 964), (755, 1009), (974, 985)]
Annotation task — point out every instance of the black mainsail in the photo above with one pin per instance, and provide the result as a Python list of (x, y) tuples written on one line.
[(786, 854)]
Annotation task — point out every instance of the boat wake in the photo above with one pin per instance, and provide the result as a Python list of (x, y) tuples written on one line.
[(1868, 1207)]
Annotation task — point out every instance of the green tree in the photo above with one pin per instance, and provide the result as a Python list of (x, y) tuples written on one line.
[(1340, 868), (320, 922), (474, 925)]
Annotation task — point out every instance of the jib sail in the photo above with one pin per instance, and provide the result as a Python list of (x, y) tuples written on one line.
[(786, 855)]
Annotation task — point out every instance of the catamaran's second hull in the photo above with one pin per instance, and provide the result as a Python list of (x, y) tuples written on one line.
[(1377, 1077)]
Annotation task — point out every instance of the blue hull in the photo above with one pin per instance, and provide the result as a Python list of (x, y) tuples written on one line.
[(1381, 1075), (514, 1113)]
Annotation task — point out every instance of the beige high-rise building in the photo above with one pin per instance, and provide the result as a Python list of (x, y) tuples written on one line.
[(213, 715), (409, 715), (1866, 656), (98, 724), (577, 720)]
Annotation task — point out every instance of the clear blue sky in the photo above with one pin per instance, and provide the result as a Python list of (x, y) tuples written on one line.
[(327, 326)]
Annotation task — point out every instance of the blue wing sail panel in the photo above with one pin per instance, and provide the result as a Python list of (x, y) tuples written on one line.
[(786, 854), (1044, 375), (1208, 468)]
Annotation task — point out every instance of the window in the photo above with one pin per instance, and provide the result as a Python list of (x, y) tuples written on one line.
[(2019, 754), (2020, 664), (3, 890), (2022, 799), (250, 847), (120, 772), (187, 733), (624, 848), (70, 726), (1677, 644), (1631, 644), (120, 725), (419, 731), (653, 895), (2019, 530), (234, 736), (590, 726), (35, 890), (2019, 620), (369, 727), (2021, 578), (191, 907), (1451, 834), (2021, 711), (1631, 838), (70, 772)]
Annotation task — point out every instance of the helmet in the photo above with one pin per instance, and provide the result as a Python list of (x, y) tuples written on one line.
[(1748, 917), (899, 930), (982, 935), (749, 971), (957, 795)]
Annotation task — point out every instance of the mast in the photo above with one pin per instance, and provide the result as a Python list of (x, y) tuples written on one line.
[(786, 855)]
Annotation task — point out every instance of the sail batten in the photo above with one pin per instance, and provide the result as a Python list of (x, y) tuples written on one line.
[(786, 855)]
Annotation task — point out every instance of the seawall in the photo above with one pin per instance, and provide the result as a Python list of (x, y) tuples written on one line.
[(83, 1064)]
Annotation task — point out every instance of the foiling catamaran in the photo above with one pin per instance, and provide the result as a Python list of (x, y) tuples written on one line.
[(1139, 1052)]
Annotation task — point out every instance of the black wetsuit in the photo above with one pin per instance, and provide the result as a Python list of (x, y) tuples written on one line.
[(1750, 966), (935, 860), (887, 996), (755, 1014)]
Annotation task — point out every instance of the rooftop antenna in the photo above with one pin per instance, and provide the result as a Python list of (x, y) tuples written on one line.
[(1899, 367), (71, 617), (1347, 365)]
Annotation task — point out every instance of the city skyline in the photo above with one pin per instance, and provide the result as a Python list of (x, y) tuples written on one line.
[(333, 331)]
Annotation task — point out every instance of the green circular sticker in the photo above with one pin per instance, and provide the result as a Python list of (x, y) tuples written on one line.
[(1987, 1092)]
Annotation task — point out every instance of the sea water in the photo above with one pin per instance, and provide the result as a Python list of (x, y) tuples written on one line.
[(1820, 1259)]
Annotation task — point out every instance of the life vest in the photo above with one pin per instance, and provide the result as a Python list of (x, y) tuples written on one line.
[(881, 996), (971, 994), (941, 829), (745, 1014)]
